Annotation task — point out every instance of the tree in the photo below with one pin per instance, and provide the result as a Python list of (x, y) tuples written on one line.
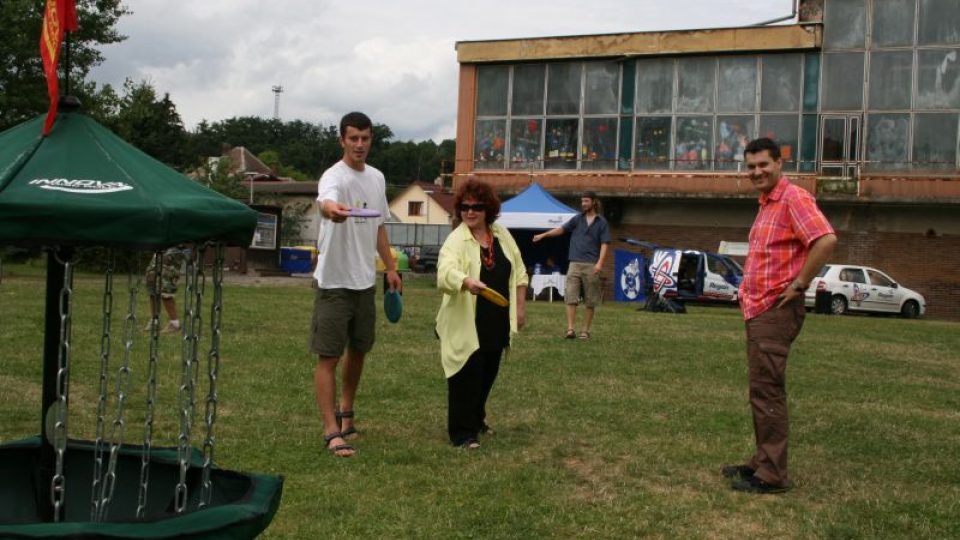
[(151, 124), (23, 88)]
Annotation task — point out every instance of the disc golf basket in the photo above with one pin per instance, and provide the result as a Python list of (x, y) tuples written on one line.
[(84, 187)]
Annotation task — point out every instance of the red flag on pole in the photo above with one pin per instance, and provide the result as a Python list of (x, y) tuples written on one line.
[(59, 16)]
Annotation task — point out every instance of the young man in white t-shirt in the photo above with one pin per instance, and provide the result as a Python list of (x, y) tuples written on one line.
[(344, 315)]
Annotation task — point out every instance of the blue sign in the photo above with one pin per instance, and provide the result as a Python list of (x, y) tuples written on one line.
[(630, 276)]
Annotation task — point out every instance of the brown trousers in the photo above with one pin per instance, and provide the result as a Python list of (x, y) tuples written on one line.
[(769, 336)]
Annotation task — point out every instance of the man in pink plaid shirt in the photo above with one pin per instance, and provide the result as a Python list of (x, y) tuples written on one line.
[(789, 243)]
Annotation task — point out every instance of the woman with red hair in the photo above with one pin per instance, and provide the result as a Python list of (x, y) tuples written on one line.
[(478, 254)]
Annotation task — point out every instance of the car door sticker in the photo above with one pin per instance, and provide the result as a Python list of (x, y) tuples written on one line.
[(859, 295), (662, 271)]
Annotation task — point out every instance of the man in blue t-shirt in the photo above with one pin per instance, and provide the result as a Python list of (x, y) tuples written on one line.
[(589, 241)]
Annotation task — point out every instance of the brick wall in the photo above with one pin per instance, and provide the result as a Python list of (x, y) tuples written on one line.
[(927, 264)]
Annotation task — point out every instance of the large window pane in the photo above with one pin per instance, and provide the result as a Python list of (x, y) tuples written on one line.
[(733, 134), (888, 137), (653, 142), (599, 143), (782, 129), (695, 84), (832, 141), (492, 90), (528, 89), (939, 22), (811, 81), (561, 143), (693, 142), (626, 143), (891, 75), (489, 144), (842, 81), (808, 143), (525, 138), (844, 24), (938, 79), (603, 81), (780, 88), (737, 90), (655, 86), (563, 89), (935, 141), (893, 23), (629, 90)]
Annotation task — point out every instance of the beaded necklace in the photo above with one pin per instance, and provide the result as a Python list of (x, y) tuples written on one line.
[(486, 253)]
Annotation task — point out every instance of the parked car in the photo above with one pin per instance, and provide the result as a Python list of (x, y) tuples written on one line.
[(427, 261), (861, 288), (691, 275)]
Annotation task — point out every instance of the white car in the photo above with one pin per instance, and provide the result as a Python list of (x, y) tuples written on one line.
[(861, 288)]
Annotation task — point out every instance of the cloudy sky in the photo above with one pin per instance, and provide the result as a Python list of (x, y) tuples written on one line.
[(393, 59)]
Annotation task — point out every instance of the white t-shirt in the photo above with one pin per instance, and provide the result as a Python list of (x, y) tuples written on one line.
[(347, 251)]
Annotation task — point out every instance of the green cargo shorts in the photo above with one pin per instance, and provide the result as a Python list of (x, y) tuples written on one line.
[(342, 318)]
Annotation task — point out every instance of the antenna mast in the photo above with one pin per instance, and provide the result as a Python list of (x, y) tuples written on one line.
[(277, 90)]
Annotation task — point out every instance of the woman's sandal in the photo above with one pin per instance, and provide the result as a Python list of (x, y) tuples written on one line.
[(335, 450), (470, 444), (584, 335), (350, 430), (570, 334)]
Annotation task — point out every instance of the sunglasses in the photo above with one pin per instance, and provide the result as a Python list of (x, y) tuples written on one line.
[(477, 207)]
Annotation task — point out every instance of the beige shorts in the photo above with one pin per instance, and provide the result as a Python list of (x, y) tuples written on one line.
[(342, 318), (580, 277)]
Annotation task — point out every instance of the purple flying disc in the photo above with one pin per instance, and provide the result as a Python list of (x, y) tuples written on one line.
[(363, 212)]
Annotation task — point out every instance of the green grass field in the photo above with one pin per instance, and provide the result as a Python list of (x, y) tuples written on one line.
[(621, 436)]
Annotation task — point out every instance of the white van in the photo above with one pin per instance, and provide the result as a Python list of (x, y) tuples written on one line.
[(689, 275)]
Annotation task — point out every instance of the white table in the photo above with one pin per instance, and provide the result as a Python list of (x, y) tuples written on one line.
[(539, 282)]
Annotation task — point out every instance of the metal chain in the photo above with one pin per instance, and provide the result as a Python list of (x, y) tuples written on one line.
[(58, 482), (95, 486), (213, 368), (146, 451), (187, 389), (122, 389)]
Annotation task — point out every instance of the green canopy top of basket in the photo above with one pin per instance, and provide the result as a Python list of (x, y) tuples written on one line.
[(83, 185)]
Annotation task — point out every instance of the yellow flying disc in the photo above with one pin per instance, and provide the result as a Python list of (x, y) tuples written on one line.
[(494, 297)]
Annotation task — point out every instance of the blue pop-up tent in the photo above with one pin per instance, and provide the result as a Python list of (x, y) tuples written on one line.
[(534, 208)]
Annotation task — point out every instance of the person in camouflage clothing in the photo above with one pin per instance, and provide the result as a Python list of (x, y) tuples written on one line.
[(174, 259)]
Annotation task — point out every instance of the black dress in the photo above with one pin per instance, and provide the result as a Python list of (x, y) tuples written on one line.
[(493, 321)]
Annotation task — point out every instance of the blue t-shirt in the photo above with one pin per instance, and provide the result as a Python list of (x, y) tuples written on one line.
[(585, 239)]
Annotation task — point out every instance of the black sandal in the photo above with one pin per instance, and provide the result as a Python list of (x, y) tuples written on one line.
[(352, 430), (340, 447), (571, 334)]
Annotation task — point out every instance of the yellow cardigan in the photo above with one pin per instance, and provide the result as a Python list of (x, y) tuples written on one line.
[(456, 326)]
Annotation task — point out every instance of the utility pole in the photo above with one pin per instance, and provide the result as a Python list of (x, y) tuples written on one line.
[(277, 90)]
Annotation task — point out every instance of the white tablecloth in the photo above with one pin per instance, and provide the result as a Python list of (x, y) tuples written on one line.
[(539, 282)]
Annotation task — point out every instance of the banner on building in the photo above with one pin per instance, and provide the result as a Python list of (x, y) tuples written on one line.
[(630, 276)]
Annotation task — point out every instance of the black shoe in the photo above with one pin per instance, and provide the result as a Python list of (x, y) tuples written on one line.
[(752, 484), (737, 471)]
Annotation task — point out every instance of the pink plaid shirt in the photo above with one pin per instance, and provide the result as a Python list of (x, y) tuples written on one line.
[(787, 223)]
